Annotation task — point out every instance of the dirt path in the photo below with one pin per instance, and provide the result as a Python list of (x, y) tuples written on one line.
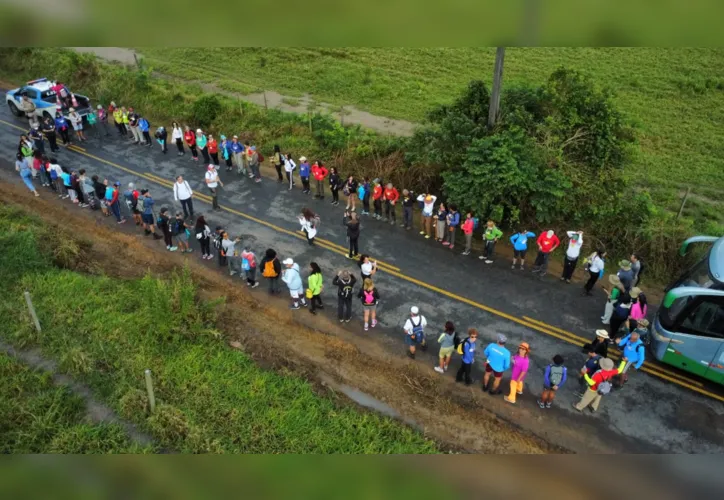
[(298, 105), (96, 411)]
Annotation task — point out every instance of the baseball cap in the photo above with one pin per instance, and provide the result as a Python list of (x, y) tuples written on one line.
[(288, 262), (502, 339), (414, 310), (99, 107), (117, 183), (223, 137), (210, 167)]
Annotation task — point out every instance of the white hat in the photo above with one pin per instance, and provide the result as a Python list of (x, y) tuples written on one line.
[(288, 262), (414, 310), (99, 107), (198, 131), (131, 185), (210, 167), (606, 364), (602, 333), (303, 158)]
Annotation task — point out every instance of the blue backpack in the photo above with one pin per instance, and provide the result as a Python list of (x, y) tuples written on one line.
[(109, 194), (417, 330), (476, 222), (361, 191), (245, 264)]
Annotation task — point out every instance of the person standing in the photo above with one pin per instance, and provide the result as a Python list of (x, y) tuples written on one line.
[(246, 157), (440, 223), (453, 221), (304, 174), (377, 191), (520, 246), (370, 297), (447, 346), (621, 311), (118, 120), (575, 242), (254, 164), (408, 201), (289, 167), (124, 119), (218, 240), (595, 266), (308, 221), (202, 144), (547, 243), (368, 268), (637, 266), (497, 362), (390, 195), (553, 379), (365, 190), (491, 235), (228, 246), (625, 274), (23, 168), (28, 107), (415, 331), (182, 192), (633, 353), (144, 127), (293, 279), (320, 172), (77, 121), (248, 265), (49, 132), (161, 138), (468, 227), (278, 161), (36, 137), (226, 154), (177, 136), (598, 385), (344, 281), (521, 362), (353, 231), (133, 119), (350, 191), (599, 344), (203, 234), (115, 204), (467, 349), (102, 117), (164, 224), (190, 139), (213, 182), (271, 269), (213, 150), (130, 195), (92, 120), (613, 295), (237, 150), (639, 309), (428, 203), (181, 233), (590, 367), (334, 185)]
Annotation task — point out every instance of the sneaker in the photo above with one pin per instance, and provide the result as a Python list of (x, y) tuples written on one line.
[(522, 268), (548, 405), (541, 404), (481, 257), (256, 284), (374, 323), (232, 273), (173, 249), (189, 250), (295, 307), (543, 274), (168, 247), (313, 312), (507, 400), (445, 368), (157, 236), (348, 320), (410, 355), (466, 252), (568, 282), (439, 370), (519, 393), (392, 223), (488, 261), (341, 320), (513, 266), (367, 326), (422, 232), (563, 279), (445, 243)]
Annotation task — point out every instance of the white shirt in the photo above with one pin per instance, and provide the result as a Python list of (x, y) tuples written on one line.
[(307, 225), (289, 165), (427, 207), (596, 265), (177, 133), (182, 191), (213, 179), (419, 320), (75, 118), (56, 167), (574, 247), (366, 268)]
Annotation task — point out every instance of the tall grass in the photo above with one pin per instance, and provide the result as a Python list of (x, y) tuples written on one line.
[(211, 399)]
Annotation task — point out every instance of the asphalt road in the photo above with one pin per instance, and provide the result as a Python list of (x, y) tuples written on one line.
[(651, 414)]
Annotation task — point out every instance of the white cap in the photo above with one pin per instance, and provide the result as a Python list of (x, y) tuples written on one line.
[(131, 185), (414, 310), (288, 262), (198, 131), (303, 158)]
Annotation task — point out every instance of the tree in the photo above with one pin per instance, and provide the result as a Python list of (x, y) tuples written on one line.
[(205, 110)]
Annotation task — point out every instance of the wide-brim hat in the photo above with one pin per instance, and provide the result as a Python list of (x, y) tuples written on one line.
[(602, 333), (625, 265), (288, 262), (524, 345), (635, 292), (606, 364), (613, 279)]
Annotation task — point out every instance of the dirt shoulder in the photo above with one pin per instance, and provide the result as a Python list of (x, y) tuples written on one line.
[(315, 347)]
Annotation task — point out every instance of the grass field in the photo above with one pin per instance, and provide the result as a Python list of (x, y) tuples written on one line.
[(674, 96), (211, 398), (38, 417)]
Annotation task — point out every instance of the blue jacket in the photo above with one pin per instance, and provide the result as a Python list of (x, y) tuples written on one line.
[(304, 169), (143, 125), (225, 147), (520, 240), (498, 357), (236, 147), (454, 219), (633, 351), (468, 351), (148, 205), (61, 123)]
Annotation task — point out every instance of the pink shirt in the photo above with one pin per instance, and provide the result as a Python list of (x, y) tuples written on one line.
[(637, 313), (520, 365)]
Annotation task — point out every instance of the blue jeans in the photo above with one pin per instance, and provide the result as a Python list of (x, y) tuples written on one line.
[(28, 180)]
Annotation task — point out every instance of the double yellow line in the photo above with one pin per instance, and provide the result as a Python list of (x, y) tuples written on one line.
[(531, 323)]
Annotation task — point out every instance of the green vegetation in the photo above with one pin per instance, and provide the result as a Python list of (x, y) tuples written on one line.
[(675, 97), (107, 331), (38, 417)]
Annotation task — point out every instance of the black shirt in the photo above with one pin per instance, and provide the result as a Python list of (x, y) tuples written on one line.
[(352, 229), (344, 287), (334, 181), (352, 186), (409, 200), (100, 189)]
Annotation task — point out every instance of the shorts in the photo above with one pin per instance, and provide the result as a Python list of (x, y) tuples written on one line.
[(370, 307), (519, 253), (182, 237), (410, 340), (446, 351), (489, 369), (147, 219), (78, 126), (297, 294)]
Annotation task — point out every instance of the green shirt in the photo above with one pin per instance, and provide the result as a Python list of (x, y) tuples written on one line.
[(615, 293), (91, 117), (315, 283), (492, 233)]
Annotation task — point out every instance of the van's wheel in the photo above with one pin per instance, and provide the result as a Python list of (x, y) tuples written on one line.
[(14, 109)]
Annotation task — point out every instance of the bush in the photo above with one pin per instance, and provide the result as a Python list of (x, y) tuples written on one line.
[(205, 110)]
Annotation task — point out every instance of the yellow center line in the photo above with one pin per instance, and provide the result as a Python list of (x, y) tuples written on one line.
[(524, 321)]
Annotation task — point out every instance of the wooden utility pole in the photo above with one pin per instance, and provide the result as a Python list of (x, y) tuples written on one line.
[(683, 202), (494, 107)]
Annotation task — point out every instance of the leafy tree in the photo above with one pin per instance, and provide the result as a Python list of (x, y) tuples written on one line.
[(205, 109)]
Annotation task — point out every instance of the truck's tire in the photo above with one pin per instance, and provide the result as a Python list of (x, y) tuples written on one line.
[(14, 109)]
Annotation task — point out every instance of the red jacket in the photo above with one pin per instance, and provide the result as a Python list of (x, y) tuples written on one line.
[(213, 147), (377, 192), (547, 244), (319, 172), (190, 138), (468, 226), (392, 195), (115, 195)]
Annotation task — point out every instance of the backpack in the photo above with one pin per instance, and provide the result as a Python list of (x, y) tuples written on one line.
[(476, 222), (245, 264), (361, 192), (261, 157), (269, 271), (139, 204), (109, 194), (604, 387), (217, 241), (460, 345), (556, 374), (417, 330), (457, 341), (368, 297)]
